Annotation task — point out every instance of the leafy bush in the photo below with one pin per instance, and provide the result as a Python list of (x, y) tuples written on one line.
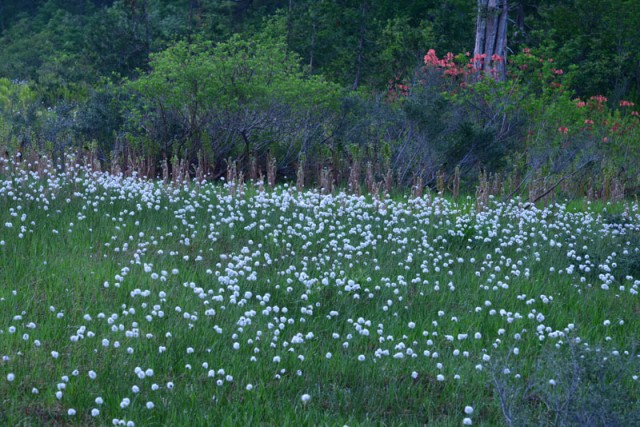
[(532, 114), (570, 385), (242, 97), (16, 111)]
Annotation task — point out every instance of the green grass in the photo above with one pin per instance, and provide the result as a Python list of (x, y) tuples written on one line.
[(335, 265)]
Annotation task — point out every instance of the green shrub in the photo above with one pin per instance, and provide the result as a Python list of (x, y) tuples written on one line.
[(570, 385), (240, 97)]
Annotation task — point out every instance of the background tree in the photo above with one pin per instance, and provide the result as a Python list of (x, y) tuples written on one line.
[(600, 39), (240, 97), (490, 52), (154, 75)]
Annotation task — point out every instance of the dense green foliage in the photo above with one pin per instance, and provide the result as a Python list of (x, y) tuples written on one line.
[(238, 97), (322, 84)]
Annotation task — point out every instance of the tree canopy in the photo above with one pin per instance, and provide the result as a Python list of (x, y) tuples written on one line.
[(343, 80)]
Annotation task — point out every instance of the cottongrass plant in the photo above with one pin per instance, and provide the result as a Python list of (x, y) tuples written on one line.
[(126, 301)]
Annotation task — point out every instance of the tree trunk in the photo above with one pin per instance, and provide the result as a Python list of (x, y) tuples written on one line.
[(361, 41), (313, 46), (290, 25), (147, 30), (194, 18), (490, 53)]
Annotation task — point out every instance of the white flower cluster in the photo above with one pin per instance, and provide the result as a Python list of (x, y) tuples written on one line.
[(206, 291)]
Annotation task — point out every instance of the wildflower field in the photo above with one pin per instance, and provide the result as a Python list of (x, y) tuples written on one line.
[(124, 301)]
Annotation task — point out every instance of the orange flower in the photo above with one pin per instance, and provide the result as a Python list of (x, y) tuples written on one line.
[(599, 98)]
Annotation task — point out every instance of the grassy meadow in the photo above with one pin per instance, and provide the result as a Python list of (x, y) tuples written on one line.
[(127, 302)]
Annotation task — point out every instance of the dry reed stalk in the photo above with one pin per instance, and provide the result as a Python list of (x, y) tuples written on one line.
[(591, 193), (174, 170), (165, 171), (497, 184), (544, 189), (564, 187), (381, 206), (239, 185), (507, 186), (456, 183), (232, 189), (533, 187), (79, 158), (181, 177), (235, 178), (232, 170), (260, 182), (606, 186), (482, 192), (140, 167), (440, 183), (95, 160), (353, 181), (326, 181), (370, 182), (184, 171), (32, 160), (617, 190), (388, 181), (42, 164), (552, 194), (130, 161), (271, 171), (151, 168), (200, 169), (427, 198), (300, 176), (417, 187), (115, 164), (143, 167), (253, 168), (375, 192)]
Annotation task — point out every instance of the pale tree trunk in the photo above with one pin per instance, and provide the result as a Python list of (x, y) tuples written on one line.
[(490, 53)]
